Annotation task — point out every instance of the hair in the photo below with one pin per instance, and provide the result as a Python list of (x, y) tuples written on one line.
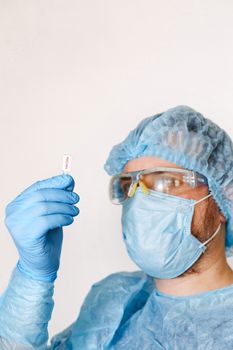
[(202, 230)]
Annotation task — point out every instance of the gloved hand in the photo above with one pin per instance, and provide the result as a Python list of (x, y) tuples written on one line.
[(35, 219)]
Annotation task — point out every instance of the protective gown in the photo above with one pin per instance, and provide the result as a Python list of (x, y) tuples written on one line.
[(122, 311)]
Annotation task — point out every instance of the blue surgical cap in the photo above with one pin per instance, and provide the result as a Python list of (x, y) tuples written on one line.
[(185, 137)]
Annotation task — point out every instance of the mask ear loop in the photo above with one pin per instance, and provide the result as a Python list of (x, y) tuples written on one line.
[(202, 199), (218, 228), (212, 237)]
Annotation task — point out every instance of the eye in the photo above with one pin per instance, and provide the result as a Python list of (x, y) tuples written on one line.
[(163, 181), (172, 181), (125, 184)]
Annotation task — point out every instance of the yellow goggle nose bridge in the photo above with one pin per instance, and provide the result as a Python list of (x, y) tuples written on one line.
[(133, 187)]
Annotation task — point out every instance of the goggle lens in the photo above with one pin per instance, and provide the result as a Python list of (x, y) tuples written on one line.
[(170, 182)]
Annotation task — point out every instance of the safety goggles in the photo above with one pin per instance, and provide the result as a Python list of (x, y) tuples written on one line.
[(173, 181)]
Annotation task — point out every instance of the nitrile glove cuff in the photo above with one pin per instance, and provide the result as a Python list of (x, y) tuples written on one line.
[(37, 277)]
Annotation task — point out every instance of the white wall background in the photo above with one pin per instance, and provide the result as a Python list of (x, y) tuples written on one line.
[(75, 77)]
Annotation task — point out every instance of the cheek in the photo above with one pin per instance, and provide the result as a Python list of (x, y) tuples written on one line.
[(212, 215), (206, 216), (199, 215)]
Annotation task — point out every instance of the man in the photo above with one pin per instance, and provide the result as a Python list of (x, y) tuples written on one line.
[(173, 175)]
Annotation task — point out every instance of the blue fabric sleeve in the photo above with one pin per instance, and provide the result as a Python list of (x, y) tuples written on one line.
[(25, 309), (109, 304)]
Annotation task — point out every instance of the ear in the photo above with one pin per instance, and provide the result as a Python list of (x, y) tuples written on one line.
[(222, 218)]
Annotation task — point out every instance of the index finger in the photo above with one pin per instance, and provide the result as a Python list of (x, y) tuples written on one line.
[(63, 181)]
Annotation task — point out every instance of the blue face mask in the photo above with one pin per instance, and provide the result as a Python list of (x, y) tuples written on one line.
[(157, 233)]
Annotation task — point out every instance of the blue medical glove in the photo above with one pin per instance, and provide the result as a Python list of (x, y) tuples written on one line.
[(35, 219)]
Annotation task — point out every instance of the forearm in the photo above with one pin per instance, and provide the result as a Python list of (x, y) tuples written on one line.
[(25, 310)]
